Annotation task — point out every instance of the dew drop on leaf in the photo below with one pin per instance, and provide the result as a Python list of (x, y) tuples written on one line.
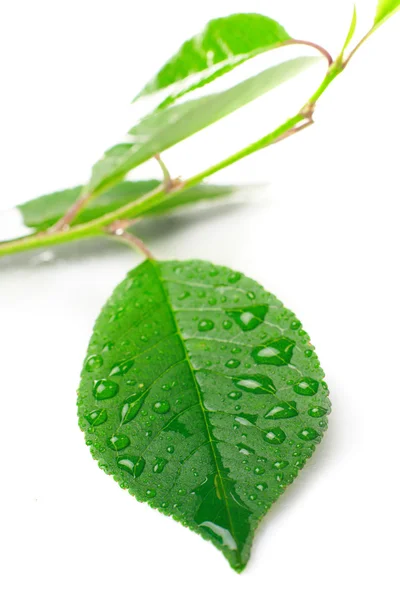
[(161, 407), (205, 325), (131, 464), (282, 410), (317, 411), (306, 387), (118, 442), (232, 363), (275, 436), (96, 417), (248, 318), (104, 389), (308, 434), (255, 384), (278, 352), (93, 362)]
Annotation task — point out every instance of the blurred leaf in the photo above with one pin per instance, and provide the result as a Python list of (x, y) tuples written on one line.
[(41, 213), (165, 128), (224, 44), (352, 29), (385, 9)]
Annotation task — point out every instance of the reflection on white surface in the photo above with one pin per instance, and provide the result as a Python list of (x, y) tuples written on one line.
[(12, 225)]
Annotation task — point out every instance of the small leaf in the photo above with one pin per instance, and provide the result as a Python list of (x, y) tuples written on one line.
[(224, 44), (164, 128), (41, 213), (198, 426), (352, 29), (385, 9)]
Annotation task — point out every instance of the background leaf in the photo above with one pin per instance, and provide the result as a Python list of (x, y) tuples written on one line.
[(41, 213), (385, 9), (352, 28), (165, 128), (202, 395), (224, 44)]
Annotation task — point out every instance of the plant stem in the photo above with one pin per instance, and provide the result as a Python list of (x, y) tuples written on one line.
[(132, 240), (156, 197)]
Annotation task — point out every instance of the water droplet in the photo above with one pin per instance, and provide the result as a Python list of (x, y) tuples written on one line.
[(236, 350), (205, 325), (281, 464), (306, 387), (227, 324), (122, 367), (295, 325), (232, 363), (183, 296), (249, 318), (132, 405), (104, 389), (150, 493), (243, 449), (234, 277), (246, 420), (307, 434), (282, 410), (171, 449), (261, 486), (255, 384), (251, 295), (259, 470), (108, 346), (131, 464), (308, 353), (253, 497), (275, 436), (96, 417), (235, 395), (118, 442), (93, 362), (317, 411), (212, 301), (182, 492), (278, 352), (161, 407), (159, 465)]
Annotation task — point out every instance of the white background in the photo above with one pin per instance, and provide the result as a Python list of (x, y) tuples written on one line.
[(322, 235)]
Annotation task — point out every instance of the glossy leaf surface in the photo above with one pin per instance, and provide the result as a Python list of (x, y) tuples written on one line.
[(224, 44), (165, 128), (41, 213), (202, 396)]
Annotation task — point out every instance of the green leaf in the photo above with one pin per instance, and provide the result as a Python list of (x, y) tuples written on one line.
[(41, 213), (351, 31), (165, 128), (224, 44), (385, 9), (202, 396)]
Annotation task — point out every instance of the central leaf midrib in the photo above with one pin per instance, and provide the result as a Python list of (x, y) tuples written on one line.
[(215, 453)]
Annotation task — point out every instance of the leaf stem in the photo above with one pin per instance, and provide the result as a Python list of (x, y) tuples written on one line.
[(126, 237), (317, 47), (65, 221), (139, 207)]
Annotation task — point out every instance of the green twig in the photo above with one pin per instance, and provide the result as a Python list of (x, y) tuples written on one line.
[(137, 208)]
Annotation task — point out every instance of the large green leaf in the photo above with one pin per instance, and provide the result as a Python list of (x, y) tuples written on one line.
[(41, 213), (385, 9), (202, 396), (165, 128), (224, 44)]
